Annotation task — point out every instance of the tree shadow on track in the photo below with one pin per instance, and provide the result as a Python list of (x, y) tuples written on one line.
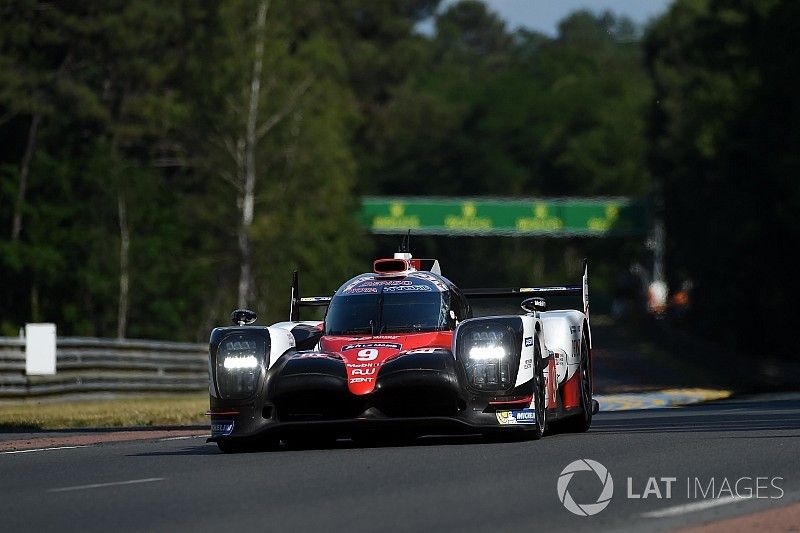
[(202, 449), (712, 418), (341, 444)]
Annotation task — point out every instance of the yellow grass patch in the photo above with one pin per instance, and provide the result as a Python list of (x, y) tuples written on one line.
[(153, 410)]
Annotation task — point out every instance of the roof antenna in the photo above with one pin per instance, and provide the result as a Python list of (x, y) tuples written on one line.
[(403, 250), (404, 244)]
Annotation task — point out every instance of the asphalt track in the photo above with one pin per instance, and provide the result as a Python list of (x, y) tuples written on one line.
[(446, 484)]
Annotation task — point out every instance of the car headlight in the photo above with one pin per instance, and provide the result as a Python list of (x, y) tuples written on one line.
[(492, 351), (239, 360), (487, 351)]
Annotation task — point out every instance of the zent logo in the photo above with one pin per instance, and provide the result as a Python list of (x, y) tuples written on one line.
[(585, 509)]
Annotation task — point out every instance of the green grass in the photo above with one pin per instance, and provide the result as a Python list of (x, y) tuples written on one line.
[(154, 410)]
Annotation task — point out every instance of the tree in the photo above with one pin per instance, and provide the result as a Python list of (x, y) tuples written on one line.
[(724, 145), (260, 116)]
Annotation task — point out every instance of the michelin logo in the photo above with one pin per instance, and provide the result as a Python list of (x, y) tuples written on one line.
[(522, 416), (222, 428)]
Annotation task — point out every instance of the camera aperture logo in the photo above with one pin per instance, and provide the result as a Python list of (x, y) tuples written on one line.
[(585, 509), (723, 490)]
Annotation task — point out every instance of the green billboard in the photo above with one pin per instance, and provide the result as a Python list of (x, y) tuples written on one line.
[(558, 217)]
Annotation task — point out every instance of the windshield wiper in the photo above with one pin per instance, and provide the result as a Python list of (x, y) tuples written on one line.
[(380, 314), (352, 331), (415, 328)]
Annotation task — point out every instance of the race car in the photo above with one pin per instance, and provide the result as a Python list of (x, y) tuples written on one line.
[(401, 352)]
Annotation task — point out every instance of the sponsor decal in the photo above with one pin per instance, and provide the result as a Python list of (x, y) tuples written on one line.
[(573, 329), (355, 282), (362, 380), (422, 350), (528, 341), (362, 345), (433, 279), (361, 290), (408, 288), (397, 218), (372, 286), (316, 355), (221, 428), (363, 371), (505, 418), (541, 220), (527, 364), (363, 365), (521, 416), (468, 220)]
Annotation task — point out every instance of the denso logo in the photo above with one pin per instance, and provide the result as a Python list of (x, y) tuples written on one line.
[(528, 341), (422, 350)]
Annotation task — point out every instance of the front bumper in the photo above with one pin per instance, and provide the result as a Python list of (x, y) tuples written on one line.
[(473, 423), (418, 393)]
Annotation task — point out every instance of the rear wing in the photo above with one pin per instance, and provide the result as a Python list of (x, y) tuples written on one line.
[(310, 301), (296, 302), (581, 290)]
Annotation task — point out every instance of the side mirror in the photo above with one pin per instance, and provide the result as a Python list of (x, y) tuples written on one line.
[(242, 317), (533, 305)]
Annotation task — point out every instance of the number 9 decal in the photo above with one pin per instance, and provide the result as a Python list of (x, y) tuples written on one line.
[(368, 354)]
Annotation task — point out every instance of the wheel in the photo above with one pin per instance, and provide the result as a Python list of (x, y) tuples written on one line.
[(539, 393), (582, 421)]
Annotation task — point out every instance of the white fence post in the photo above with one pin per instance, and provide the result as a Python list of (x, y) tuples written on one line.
[(40, 349)]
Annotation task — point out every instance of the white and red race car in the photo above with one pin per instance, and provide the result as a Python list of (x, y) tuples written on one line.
[(402, 352)]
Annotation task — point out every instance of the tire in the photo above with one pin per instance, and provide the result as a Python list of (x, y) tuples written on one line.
[(539, 394), (582, 421)]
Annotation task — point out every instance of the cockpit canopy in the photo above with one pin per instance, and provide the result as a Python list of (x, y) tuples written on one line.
[(372, 304)]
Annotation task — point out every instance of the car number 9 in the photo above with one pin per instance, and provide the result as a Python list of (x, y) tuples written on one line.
[(368, 354)]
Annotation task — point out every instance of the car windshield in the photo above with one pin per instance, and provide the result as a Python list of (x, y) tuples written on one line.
[(387, 312)]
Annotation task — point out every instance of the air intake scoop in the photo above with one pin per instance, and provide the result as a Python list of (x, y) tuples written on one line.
[(393, 267)]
